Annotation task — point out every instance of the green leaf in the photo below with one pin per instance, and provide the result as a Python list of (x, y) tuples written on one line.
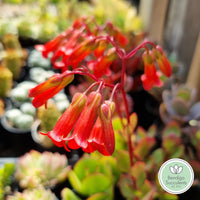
[(133, 121), (170, 143), (158, 156), (123, 160), (117, 124), (152, 131), (144, 146), (184, 93), (137, 171), (100, 196), (180, 106), (141, 133), (85, 166), (126, 186), (67, 194), (109, 167), (172, 127), (74, 181), (95, 183)]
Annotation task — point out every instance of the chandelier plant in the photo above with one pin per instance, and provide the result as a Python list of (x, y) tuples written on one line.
[(89, 50)]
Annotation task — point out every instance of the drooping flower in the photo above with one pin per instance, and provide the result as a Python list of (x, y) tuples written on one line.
[(49, 88), (102, 64), (67, 121), (150, 76), (102, 136), (162, 61), (85, 122)]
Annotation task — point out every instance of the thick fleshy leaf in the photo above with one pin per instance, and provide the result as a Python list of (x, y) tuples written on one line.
[(123, 160), (172, 127), (66, 194), (74, 181), (144, 147), (133, 121), (100, 196), (117, 125), (184, 93), (86, 165), (137, 171), (180, 106), (95, 183), (126, 186), (109, 167), (195, 111)]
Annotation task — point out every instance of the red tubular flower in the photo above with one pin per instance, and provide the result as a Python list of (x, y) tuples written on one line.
[(52, 45), (102, 136), (85, 122), (49, 88), (102, 64), (150, 76), (119, 37), (80, 52), (162, 61), (102, 45), (67, 121)]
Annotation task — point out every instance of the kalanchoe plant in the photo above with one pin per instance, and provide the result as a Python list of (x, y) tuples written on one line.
[(180, 104), (88, 49), (46, 169)]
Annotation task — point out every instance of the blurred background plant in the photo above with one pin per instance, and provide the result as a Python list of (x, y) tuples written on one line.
[(36, 193), (6, 178), (36, 169)]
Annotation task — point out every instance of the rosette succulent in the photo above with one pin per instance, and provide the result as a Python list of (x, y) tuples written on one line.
[(179, 104), (47, 169), (37, 193)]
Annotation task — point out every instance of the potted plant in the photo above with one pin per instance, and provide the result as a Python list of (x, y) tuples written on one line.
[(101, 56)]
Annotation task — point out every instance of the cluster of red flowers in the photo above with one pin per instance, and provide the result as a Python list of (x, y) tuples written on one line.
[(84, 38), (87, 122), (151, 76)]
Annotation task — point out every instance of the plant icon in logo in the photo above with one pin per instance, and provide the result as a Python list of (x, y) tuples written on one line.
[(176, 169)]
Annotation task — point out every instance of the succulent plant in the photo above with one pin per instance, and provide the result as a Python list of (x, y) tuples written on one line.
[(13, 61), (19, 94), (11, 41), (6, 173), (6, 81), (93, 175), (35, 194), (14, 55), (48, 169), (36, 59), (48, 116), (179, 105)]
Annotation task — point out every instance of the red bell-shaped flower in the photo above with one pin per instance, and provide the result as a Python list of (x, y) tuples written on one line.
[(162, 61), (49, 88), (85, 122), (102, 136), (150, 76), (67, 121)]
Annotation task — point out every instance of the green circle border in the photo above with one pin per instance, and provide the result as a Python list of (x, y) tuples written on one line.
[(180, 161)]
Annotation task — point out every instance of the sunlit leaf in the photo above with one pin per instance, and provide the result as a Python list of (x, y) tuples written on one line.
[(66, 194), (95, 183)]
